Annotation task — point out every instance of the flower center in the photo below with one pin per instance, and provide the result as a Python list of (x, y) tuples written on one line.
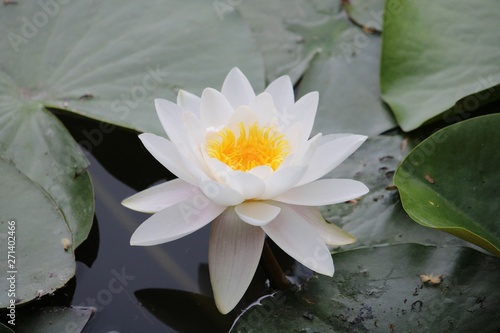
[(254, 147)]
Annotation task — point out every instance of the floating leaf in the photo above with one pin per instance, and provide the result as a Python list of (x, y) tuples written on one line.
[(42, 258), (438, 56), (283, 50), (345, 72), (56, 319), (39, 145), (348, 83), (109, 60), (450, 181), (378, 217), (379, 289)]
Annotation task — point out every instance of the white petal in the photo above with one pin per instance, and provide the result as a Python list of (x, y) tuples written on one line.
[(294, 235), (282, 180), (220, 194), (215, 109), (303, 153), (194, 126), (331, 151), (243, 114), (282, 91), (170, 116), (237, 89), (189, 102), (323, 192), (305, 111), (161, 196), (261, 171), (176, 221), (293, 133), (331, 234), (257, 213), (219, 170), (263, 106), (249, 185), (167, 154), (234, 252)]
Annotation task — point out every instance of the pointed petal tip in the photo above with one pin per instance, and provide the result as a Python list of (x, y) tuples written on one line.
[(329, 270), (141, 240), (330, 273), (125, 202), (136, 242), (223, 308), (360, 138), (235, 70)]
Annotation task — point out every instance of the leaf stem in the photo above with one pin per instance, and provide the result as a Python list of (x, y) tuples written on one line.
[(273, 269)]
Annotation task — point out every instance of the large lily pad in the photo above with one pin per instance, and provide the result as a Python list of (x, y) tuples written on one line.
[(283, 50), (378, 217), (346, 75), (379, 289), (42, 254), (41, 147), (109, 60), (347, 80), (450, 181), (438, 56)]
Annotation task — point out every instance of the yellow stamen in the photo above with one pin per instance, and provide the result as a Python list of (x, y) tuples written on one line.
[(254, 147)]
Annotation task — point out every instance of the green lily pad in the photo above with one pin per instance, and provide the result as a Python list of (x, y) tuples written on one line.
[(283, 50), (41, 147), (56, 319), (379, 289), (346, 74), (34, 229), (440, 56), (109, 60), (347, 80), (450, 181), (378, 217)]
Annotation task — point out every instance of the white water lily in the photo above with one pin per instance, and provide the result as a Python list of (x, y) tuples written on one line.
[(247, 163)]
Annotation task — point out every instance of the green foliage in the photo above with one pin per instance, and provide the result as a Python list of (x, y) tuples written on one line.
[(378, 217), (450, 181), (439, 56), (42, 251)]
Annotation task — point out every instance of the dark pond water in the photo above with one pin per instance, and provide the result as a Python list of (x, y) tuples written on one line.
[(162, 288)]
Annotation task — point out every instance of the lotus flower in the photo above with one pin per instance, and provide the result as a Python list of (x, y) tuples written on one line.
[(246, 162)]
